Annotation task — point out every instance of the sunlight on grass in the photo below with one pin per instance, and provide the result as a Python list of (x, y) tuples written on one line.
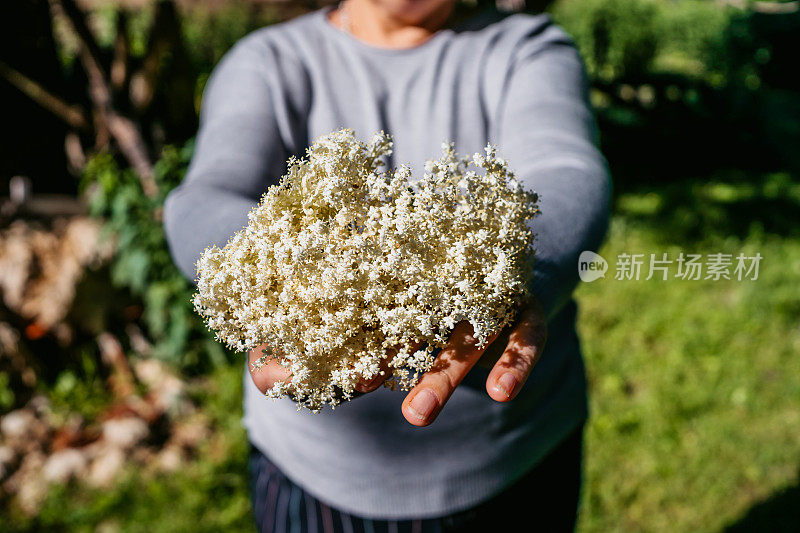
[(694, 386)]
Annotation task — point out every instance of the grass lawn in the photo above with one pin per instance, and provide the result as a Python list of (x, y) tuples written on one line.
[(695, 385)]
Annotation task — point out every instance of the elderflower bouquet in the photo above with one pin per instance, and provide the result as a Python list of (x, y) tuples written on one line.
[(344, 264)]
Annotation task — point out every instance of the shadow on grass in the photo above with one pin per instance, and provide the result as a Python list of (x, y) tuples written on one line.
[(695, 159), (779, 513), (726, 204)]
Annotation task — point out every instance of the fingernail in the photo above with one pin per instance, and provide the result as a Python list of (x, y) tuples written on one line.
[(506, 384), (423, 404)]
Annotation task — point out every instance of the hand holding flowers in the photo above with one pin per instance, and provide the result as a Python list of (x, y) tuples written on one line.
[(353, 275), (512, 356)]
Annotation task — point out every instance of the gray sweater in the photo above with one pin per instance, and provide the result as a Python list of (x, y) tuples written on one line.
[(516, 81)]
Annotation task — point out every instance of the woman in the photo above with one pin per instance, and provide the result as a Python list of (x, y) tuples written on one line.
[(425, 72)]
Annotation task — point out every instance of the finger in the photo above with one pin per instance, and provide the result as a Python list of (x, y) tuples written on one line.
[(268, 374), (425, 401), (380, 377), (525, 345), (385, 370)]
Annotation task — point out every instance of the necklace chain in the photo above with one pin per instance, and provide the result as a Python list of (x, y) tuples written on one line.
[(345, 24)]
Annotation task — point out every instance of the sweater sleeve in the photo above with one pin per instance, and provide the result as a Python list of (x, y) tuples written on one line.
[(238, 154), (547, 132)]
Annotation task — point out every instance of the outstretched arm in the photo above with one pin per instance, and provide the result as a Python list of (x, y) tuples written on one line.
[(239, 153), (546, 130)]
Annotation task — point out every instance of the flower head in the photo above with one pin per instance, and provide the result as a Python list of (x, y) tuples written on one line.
[(344, 264)]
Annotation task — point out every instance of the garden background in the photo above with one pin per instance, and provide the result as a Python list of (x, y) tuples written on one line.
[(118, 412)]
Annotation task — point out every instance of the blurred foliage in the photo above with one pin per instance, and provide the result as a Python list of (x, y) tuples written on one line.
[(624, 38), (615, 37), (80, 388), (142, 262), (701, 39), (689, 86), (207, 32), (680, 87), (210, 493), (141, 266)]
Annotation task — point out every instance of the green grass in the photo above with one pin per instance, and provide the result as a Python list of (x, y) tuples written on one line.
[(694, 386)]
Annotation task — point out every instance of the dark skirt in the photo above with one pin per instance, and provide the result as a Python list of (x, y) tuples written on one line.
[(545, 499)]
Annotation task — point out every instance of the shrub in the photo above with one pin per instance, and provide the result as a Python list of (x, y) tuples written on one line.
[(142, 263), (615, 37)]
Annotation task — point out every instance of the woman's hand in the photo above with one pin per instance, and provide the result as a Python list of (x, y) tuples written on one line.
[(271, 372), (521, 347), (512, 354)]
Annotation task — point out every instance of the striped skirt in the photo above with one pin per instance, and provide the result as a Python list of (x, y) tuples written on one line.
[(545, 499)]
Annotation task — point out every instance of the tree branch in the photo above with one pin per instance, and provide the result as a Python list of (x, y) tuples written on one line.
[(73, 115), (120, 69), (122, 129)]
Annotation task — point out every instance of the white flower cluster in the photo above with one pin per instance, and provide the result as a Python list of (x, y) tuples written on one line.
[(343, 265)]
